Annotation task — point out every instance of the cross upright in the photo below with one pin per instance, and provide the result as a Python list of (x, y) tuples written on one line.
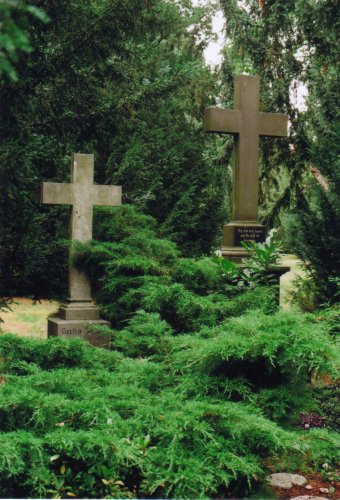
[(82, 194), (247, 124)]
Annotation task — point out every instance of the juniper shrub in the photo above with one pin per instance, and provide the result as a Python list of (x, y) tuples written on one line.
[(193, 397)]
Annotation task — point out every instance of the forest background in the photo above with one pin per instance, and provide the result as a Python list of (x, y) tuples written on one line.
[(127, 81)]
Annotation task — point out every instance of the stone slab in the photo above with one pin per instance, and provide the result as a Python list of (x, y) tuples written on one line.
[(58, 327), (68, 312), (286, 480), (233, 253)]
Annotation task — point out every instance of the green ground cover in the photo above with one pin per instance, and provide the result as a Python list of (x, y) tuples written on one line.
[(203, 384)]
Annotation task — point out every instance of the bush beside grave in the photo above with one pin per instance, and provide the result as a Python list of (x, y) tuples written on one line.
[(199, 389)]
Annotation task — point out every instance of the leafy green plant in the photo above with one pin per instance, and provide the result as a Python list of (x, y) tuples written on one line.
[(262, 258), (255, 269), (230, 271)]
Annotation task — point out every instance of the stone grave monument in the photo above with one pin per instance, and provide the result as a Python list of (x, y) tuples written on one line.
[(247, 124), (82, 194)]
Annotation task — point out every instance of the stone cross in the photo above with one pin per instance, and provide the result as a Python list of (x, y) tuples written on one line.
[(247, 124), (82, 194)]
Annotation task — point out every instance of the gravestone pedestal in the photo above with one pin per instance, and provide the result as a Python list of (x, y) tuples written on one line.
[(77, 319), (237, 231), (58, 327)]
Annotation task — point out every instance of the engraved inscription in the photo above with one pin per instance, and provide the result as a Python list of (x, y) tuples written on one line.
[(249, 233), (71, 331)]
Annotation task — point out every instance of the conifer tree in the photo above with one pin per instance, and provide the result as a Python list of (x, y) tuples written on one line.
[(127, 82)]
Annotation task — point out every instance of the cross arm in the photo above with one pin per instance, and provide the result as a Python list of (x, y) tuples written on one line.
[(57, 193), (107, 196), (225, 121), (273, 124)]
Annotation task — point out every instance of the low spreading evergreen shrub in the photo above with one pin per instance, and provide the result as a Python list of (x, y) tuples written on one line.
[(198, 390), (192, 415), (132, 270), (145, 335)]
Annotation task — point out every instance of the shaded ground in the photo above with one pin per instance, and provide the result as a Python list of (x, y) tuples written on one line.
[(26, 318), (316, 482)]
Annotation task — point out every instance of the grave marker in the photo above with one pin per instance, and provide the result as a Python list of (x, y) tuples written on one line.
[(82, 195), (247, 124)]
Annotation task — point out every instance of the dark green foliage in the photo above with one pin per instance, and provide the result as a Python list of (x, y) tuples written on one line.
[(314, 229), (15, 17), (123, 80)]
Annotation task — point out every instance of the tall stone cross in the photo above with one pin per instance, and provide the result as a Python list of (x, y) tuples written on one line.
[(82, 194), (247, 124)]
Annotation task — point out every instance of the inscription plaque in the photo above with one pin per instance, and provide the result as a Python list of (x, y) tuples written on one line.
[(249, 233)]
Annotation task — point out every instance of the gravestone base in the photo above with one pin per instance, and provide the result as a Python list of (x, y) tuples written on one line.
[(233, 253), (237, 231), (79, 310), (58, 327)]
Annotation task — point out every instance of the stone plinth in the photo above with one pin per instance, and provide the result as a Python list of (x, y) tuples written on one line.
[(58, 327), (79, 311), (76, 319), (277, 272), (237, 231)]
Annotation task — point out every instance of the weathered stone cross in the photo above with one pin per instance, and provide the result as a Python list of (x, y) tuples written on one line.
[(82, 194), (247, 123)]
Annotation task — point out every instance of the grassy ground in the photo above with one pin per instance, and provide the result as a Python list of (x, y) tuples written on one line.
[(30, 320)]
